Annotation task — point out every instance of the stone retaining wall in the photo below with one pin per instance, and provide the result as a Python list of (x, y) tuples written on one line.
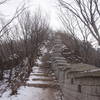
[(77, 81), (78, 85)]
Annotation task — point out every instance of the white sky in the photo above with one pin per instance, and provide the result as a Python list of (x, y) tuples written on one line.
[(47, 6)]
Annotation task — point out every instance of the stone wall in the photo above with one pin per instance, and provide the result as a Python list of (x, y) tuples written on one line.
[(77, 81)]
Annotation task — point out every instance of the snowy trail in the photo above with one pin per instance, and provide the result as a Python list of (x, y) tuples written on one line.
[(40, 86)]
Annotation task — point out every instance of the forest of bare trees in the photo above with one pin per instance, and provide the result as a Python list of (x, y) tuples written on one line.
[(23, 36), (80, 19), (86, 12), (20, 44)]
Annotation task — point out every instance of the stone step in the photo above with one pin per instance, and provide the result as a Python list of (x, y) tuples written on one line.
[(41, 68), (40, 74), (42, 79), (40, 85), (59, 58), (40, 71)]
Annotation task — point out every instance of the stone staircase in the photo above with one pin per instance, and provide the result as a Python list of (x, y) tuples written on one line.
[(41, 77), (44, 84), (78, 81)]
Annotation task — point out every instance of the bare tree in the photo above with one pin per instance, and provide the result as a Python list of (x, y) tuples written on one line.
[(17, 13), (3, 1), (77, 32), (87, 11), (34, 29), (20, 42)]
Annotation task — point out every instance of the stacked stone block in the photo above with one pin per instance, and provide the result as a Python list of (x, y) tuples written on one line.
[(77, 81)]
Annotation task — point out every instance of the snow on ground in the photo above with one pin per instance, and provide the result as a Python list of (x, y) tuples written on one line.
[(38, 62), (94, 70), (4, 83), (44, 50), (24, 93), (31, 93), (3, 87)]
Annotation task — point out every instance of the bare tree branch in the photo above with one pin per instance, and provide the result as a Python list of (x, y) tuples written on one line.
[(86, 11)]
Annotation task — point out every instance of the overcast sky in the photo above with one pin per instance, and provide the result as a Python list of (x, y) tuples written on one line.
[(47, 6)]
